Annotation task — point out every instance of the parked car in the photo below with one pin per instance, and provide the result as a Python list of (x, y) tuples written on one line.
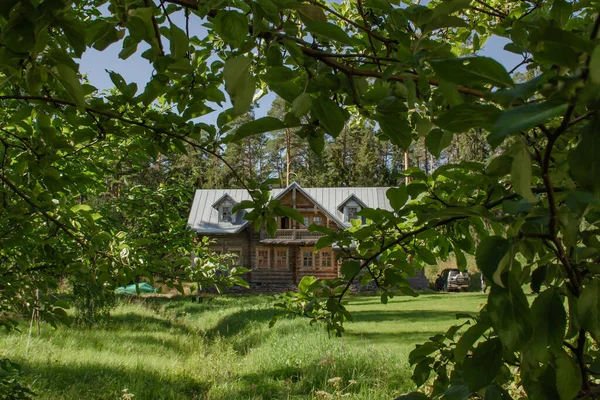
[(453, 279)]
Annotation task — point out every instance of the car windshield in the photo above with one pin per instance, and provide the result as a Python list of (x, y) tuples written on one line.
[(453, 273)]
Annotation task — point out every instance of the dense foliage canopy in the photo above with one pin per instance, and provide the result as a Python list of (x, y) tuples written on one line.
[(530, 215)]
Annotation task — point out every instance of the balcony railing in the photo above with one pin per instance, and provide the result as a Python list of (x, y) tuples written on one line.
[(291, 234)]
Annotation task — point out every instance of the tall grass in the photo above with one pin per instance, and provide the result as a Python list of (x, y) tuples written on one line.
[(176, 349)]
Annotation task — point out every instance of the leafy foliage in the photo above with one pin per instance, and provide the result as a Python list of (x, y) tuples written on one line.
[(410, 71)]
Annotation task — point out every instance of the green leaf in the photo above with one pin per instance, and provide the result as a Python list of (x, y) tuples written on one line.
[(232, 26), (549, 323), (538, 276), (468, 339), (81, 207), (521, 174), (139, 23), (350, 269), (595, 65), (75, 33), (464, 117), (329, 31), (490, 253), (129, 48), (239, 83), (261, 125), (584, 165), (291, 213), (422, 371), (421, 351), (312, 12), (323, 242), (242, 205), (301, 105), (510, 315), (523, 118), (437, 140), (329, 114), (473, 211), (61, 304), (70, 81), (458, 392), (482, 367), (178, 42), (279, 74), (35, 77), (305, 283), (473, 70), (568, 376), (461, 260), (588, 307), (448, 7), (426, 256), (396, 129), (397, 197), (415, 188)]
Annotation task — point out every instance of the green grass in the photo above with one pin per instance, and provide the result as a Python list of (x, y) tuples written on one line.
[(176, 349)]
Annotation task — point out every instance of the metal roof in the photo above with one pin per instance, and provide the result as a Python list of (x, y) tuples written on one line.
[(205, 219)]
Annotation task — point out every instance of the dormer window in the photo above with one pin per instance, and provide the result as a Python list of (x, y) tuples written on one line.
[(350, 207), (226, 213), (351, 213), (225, 208)]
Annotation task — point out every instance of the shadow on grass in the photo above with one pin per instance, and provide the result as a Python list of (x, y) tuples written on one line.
[(400, 316), (235, 323), (98, 382), (144, 323), (391, 338)]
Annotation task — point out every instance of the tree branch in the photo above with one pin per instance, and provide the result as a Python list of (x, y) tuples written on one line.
[(157, 35), (326, 59), (140, 124)]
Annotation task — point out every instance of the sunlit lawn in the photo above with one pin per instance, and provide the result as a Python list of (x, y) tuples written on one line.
[(176, 349)]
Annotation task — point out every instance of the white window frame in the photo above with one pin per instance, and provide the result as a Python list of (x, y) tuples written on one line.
[(347, 212), (226, 204), (318, 220)]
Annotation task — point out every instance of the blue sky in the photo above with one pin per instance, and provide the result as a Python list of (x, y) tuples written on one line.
[(136, 69)]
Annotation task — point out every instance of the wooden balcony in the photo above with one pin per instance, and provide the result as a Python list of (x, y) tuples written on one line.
[(290, 236)]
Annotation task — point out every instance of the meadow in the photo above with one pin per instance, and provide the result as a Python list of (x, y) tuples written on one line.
[(163, 348)]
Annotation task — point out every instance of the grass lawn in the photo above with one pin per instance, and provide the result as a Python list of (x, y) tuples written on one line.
[(176, 349)]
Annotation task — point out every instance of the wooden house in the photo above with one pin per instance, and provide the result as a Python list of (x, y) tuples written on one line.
[(284, 259)]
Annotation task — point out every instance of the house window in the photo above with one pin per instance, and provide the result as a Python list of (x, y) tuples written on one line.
[(351, 213), (226, 214), (262, 258), (318, 220), (306, 221), (225, 208), (326, 261), (307, 259), (281, 258)]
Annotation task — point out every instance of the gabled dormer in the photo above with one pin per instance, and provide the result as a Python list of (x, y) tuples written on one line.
[(349, 207), (224, 206)]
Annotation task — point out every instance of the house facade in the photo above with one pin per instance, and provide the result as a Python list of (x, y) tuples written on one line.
[(283, 260)]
